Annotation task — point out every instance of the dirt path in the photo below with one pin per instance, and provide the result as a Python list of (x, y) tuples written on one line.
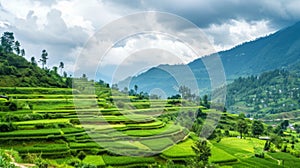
[(21, 165), (278, 161)]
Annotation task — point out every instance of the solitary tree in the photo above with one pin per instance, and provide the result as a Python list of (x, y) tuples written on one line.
[(202, 151), (65, 75), (44, 58), (32, 60), (55, 69), (242, 127), (257, 128), (22, 52), (61, 66), (8, 41), (17, 47), (136, 88), (205, 101)]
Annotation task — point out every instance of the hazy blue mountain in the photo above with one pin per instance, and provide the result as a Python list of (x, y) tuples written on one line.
[(280, 50)]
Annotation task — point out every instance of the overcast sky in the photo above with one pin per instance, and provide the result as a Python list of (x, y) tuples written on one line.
[(64, 27)]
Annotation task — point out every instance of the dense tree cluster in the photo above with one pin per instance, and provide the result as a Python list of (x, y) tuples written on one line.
[(15, 70), (271, 92)]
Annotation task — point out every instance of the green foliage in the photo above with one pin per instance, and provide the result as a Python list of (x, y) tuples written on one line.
[(267, 145), (270, 93), (17, 71), (8, 42), (276, 140), (29, 133), (7, 127), (81, 155), (202, 151), (94, 160), (242, 127), (286, 159), (257, 128)]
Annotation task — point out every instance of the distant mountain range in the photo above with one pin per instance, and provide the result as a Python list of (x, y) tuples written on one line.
[(280, 50)]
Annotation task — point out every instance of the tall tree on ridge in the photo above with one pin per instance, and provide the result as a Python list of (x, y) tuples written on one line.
[(61, 66), (17, 47), (8, 41), (22, 52), (32, 60), (44, 58)]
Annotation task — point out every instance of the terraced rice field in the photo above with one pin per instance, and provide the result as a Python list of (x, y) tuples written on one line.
[(50, 124)]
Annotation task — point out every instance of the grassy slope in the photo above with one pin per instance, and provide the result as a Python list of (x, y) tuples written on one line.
[(62, 142)]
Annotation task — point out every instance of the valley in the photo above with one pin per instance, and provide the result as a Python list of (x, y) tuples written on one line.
[(47, 129), (49, 118)]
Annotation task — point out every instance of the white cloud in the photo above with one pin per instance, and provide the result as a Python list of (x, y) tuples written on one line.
[(227, 35)]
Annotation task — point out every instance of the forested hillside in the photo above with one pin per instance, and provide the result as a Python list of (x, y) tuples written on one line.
[(271, 92), (276, 51), (15, 70)]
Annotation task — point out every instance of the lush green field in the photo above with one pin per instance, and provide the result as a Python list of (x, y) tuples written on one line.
[(181, 150), (94, 160), (47, 124)]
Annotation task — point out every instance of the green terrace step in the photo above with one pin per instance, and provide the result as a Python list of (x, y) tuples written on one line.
[(36, 90), (125, 160), (49, 96), (40, 133)]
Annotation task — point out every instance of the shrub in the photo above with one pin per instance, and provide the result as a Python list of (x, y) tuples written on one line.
[(63, 125), (12, 106), (284, 148), (39, 126), (6, 127), (226, 133), (75, 121), (81, 155)]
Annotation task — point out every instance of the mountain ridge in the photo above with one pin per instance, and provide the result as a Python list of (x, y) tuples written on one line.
[(280, 50)]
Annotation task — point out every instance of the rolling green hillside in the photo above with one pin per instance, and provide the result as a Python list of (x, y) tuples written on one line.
[(269, 93), (15, 70)]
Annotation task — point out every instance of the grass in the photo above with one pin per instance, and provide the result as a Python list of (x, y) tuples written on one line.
[(84, 145), (288, 159), (126, 160), (72, 130), (27, 133), (220, 156), (42, 147), (43, 121), (180, 150), (169, 128), (158, 144), (243, 150), (35, 90), (244, 146), (94, 160), (118, 145), (153, 125)]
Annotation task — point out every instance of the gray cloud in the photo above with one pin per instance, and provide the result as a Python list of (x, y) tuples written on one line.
[(204, 13), (59, 40)]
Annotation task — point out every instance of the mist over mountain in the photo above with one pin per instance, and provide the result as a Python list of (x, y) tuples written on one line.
[(280, 50)]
